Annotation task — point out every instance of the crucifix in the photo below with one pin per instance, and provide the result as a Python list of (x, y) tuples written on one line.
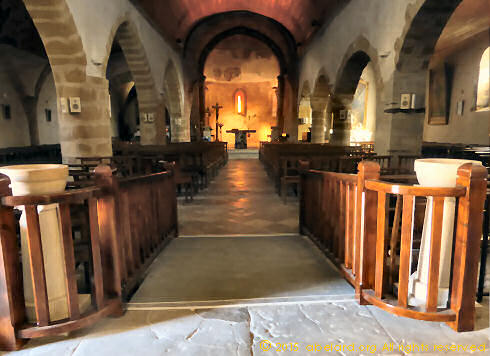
[(217, 107)]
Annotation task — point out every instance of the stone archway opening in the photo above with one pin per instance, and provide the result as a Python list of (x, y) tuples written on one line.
[(242, 76), (28, 105), (125, 114), (354, 101), (128, 66), (305, 113), (277, 39)]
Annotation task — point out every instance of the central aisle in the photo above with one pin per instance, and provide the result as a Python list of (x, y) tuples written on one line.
[(239, 244), (240, 200)]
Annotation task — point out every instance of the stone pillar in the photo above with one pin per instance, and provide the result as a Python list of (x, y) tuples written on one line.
[(280, 102), (152, 122), (88, 133), (341, 128), (401, 133), (195, 119), (180, 128), (290, 111), (202, 105), (318, 126), (341, 131), (318, 108)]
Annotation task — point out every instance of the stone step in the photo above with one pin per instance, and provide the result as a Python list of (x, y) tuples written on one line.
[(243, 154)]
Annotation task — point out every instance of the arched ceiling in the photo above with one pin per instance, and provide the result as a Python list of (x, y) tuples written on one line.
[(302, 18)]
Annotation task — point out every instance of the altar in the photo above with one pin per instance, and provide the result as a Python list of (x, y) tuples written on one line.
[(241, 137)]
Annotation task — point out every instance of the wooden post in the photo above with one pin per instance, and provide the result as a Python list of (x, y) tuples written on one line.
[(366, 231), (304, 166), (467, 245), (12, 304), (110, 252)]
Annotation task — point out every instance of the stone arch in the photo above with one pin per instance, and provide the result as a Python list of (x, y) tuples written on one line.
[(173, 100), (304, 108), (68, 62), (152, 117), (213, 28), (286, 94), (246, 32), (414, 50), (420, 35), (357, 57), (319, 102)]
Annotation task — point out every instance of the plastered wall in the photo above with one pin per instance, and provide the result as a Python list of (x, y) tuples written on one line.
[(472, 127)]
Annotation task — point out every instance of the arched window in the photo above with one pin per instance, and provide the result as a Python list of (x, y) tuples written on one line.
[(482, 94), (240, 102)]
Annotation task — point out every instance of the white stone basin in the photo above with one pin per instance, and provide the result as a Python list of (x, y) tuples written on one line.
[(38, 179), (35, 179), (439, 172)]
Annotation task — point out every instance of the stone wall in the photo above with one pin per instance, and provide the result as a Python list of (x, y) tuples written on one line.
[(48, 131), (259, 115), (399, 37), (242, 62), (20, 72), (472, 127)]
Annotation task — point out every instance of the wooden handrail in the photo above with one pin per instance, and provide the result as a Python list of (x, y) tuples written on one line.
[(122, 246), (348, 217), (401, 189), (69, 196)]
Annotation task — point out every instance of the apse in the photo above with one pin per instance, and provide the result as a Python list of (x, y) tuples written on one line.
[(241, 76)]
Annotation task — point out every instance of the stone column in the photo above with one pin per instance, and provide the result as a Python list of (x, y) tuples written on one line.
[(280, 102), (88, 133), (202, 105), (290, 111), (401, 133), (152, 122), (318, 108), (180, 128)]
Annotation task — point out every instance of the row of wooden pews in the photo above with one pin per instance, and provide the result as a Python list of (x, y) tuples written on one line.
[(194, 164), (30, 154), (282, 160)]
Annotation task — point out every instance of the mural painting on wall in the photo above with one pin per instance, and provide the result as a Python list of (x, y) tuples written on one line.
[(439, 95), (241, 74), (358, 110)]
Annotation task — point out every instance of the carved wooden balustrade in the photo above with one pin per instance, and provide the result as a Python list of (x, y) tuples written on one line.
[(129, 221), (350, 216)]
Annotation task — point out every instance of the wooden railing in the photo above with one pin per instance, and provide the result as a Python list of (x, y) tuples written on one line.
[(127, 223), (351, 218)]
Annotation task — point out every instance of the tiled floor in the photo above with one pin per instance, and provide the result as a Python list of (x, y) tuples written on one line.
[(240, 200)]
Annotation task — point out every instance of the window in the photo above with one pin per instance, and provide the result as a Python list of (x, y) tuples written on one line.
[(47, 113), (482, 94), (240, 102), (7, 113)]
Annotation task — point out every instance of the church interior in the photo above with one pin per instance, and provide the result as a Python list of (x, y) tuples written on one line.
[(244, 177)]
